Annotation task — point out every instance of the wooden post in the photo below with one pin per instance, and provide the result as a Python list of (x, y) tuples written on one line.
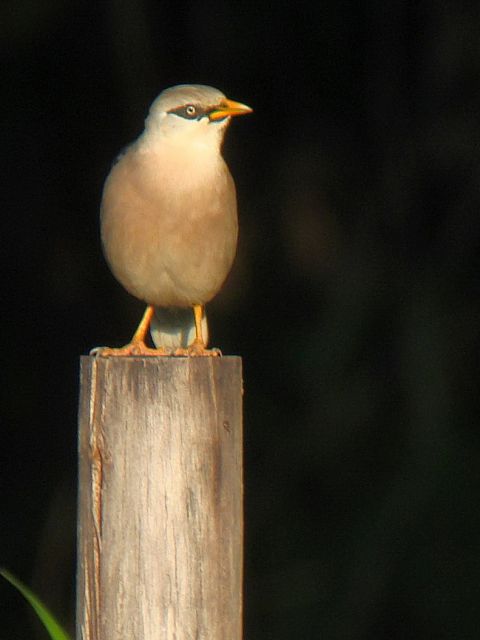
[(160, 524)]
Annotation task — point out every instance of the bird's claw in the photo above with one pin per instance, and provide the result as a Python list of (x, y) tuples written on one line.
[(131, 349), (197, 349)]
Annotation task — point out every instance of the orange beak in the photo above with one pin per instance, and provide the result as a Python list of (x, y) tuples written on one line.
[(228, 108)]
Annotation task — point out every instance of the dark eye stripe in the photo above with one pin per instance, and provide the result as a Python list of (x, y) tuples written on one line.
[(183, 112)]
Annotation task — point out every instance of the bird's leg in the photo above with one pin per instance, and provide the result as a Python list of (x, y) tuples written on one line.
[(141, 332), (137, 345), (198, 315), (198, 346)]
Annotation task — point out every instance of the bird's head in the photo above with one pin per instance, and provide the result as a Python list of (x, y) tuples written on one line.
[(193, 113)]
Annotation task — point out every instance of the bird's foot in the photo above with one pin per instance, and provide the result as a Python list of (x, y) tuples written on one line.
[(197, 349), (134, 348)]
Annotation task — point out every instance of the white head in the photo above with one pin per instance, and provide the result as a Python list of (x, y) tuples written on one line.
[(191, 114)]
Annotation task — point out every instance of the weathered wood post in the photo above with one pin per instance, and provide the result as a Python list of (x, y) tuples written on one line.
[(160, 525)]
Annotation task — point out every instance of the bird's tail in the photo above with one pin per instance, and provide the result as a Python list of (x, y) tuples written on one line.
[(174, 327)]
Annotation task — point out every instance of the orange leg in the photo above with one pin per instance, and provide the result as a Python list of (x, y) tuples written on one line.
[(198, 314), (137, 346), (198, 346)]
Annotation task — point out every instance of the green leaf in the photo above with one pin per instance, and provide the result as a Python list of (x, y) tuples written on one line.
[(55, 630)]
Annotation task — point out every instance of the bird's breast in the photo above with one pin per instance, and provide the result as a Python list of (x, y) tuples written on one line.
[(169, 227)]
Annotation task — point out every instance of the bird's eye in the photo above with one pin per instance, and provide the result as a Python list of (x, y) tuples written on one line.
[(188, 111)]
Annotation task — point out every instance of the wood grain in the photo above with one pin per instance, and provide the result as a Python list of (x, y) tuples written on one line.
[(160, 522)]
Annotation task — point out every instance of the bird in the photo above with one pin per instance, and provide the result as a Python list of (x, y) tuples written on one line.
[(168, 219)]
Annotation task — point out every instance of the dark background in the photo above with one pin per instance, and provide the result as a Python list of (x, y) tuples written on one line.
[(354, 300)]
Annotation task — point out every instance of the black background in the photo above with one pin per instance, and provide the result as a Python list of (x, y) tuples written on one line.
[(354, 300)]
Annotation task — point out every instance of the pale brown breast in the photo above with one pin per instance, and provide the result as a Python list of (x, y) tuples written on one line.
[(168, 240)]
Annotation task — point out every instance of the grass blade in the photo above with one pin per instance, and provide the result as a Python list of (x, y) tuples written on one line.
[(55, 630)]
